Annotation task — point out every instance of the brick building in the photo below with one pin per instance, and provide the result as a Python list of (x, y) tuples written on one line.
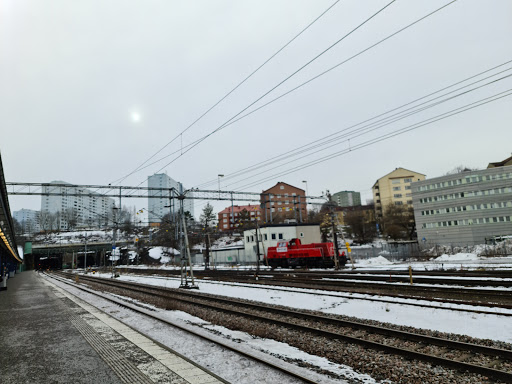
[(238, 217), (283, 201)]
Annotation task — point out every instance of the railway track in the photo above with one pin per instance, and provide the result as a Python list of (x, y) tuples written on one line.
[(502, 274), (296, 377), (465, 357), (497, 298)]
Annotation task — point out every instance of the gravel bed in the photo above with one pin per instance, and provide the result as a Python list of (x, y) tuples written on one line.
[(380, 365)]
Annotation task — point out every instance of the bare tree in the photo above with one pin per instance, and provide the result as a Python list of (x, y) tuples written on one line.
[(44, 220), (398, 222), (460, 169), (361, 225), (207, 217), (18, 228), (71, 216)]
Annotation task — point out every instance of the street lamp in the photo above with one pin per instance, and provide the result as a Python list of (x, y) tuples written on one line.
[(218, 178), (306, 182)]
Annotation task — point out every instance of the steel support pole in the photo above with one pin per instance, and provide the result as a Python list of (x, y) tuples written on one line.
[(85, 256), (232, 213), (270, 206)]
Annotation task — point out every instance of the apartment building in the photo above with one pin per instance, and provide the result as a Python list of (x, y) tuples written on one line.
[(464, 208), (238, 216), (347, 198), (80, 205), (159, 201), (28, 219), (394, 188), (283, 201), (503, 163)]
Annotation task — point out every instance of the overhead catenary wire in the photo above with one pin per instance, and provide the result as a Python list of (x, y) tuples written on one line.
[(233, 121), (389, 135), (400, 131), (372, 127), (281, 82), (335, 136), (179, 135)]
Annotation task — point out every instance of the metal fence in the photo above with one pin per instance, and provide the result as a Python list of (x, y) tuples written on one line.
[(426, 250), (394, 252), (499, 249)]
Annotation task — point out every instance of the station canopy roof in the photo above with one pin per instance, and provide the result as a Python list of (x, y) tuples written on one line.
[(7, 238)]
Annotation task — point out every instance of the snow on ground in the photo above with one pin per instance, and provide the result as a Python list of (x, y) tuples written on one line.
[(458, 257), (162, 253), (249, 343), (286, 351), (485, 326), (469, 263), (379, 260)]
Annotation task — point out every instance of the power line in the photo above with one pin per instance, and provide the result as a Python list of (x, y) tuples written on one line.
[(371, 127), (400, 131), (231, 121), (281, 82), (333, 136), (232, 90)]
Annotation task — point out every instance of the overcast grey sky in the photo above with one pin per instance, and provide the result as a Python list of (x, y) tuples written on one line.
[(90, 89)]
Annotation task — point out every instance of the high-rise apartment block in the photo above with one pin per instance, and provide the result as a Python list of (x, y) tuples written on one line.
[(347, 198), (28, 219), (81, 206), (394, 188), (159, 201)]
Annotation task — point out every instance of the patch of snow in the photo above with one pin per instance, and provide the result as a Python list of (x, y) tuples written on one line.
[(379, 260), (458, 257)]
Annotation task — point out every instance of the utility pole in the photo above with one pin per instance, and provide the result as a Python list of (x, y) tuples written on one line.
[(335, 238), (85, 255), (207, 249), (257, 253), (300, 210), (185, 247), (334, 235), (270, 206), (114, 235), (232, 215)]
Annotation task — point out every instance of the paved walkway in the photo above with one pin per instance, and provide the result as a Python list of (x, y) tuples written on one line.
[(48, 336)]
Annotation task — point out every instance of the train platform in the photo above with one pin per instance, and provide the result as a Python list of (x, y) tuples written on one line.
[(50, 336)]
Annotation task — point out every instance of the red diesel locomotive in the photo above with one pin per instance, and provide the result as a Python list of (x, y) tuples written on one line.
[(291, 254)]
